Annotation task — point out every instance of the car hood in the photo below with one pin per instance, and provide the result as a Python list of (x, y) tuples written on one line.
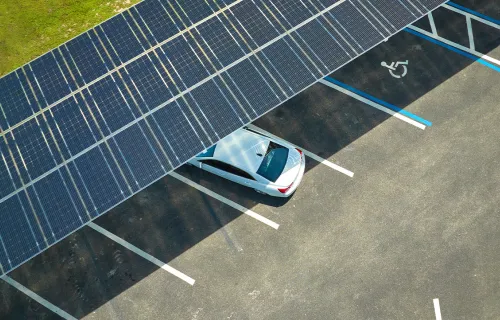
[(292, 169)]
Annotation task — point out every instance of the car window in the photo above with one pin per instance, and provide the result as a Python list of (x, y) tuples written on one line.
[(274, 162), (207, 153), (227, 167)]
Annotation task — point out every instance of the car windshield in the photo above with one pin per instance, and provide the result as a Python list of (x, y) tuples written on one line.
[(208, 152), (274, 162)]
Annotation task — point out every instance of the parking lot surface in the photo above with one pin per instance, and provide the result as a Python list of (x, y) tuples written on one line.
[(417, 220)]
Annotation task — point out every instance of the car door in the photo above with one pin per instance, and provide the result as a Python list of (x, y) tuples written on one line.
[(228, 171)]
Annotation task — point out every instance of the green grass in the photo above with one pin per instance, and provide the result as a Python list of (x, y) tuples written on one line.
[(29, 28)]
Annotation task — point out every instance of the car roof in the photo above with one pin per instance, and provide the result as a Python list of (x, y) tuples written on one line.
[(241, 149)]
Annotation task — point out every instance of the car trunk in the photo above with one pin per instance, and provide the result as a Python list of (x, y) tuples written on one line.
[(291, 170)]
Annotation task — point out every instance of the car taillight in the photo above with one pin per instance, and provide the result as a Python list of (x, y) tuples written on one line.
[(284, 190), (300, 151)]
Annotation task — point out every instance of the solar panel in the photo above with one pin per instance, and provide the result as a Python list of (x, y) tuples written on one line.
[(99, 118)]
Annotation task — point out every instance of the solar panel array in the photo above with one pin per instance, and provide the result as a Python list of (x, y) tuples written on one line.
[(92, 122)]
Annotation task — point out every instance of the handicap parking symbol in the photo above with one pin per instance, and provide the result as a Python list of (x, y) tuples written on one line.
[(394, 66)]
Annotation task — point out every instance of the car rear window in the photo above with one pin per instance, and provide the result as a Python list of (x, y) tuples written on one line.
[(274, 162)]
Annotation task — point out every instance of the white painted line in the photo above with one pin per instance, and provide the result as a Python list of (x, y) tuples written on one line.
[(308, 153), (142, 253), (456, 45), (374, 104), (437, 309), (491, 24), (38, 299), (225, 200), (471, 35), (433, 25)]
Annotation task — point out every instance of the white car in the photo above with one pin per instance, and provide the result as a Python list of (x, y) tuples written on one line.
[(267, 165)]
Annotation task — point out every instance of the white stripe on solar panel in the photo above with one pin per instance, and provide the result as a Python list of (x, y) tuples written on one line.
[(255, 91), (142, 156), (31, 150), (7, 184), (244, 46), (291, 42), (409, 8), (154, 88), (120, 165), (333, 30), (424, 4), (290, 12), (369, 15), (100, 180), (180, 130), (121, 38), (4, 256), (187, 65), (83, 189), (136, 31), (359, 28), (289, 62), (414, 6), (334, 34), (82, 51), (142, 27), (342, 31), (221, 42), (38, 216), (99, 121), (51, 140), (17, 234), (215, 105), (176, 79), (13, 101), (63, 69), (157, 20), (262, 58), (55, 198), (243, 107), (133, 104), (382, 17), (46, 72), (301, 43), (110, 104), (256, 24), (321, 41)]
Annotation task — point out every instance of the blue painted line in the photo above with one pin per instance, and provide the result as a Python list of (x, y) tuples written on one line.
[(381, 102), (447, 46), (475, 13)]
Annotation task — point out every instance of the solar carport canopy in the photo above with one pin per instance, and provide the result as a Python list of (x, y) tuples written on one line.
[(92, 122)]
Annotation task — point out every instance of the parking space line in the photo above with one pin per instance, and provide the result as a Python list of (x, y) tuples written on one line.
[(471, 35), (142, 253), (473, 14), (437, 309), (433, 25), (455, 47), (308, 153), (37, 298), (356, 95), (225, 200)]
